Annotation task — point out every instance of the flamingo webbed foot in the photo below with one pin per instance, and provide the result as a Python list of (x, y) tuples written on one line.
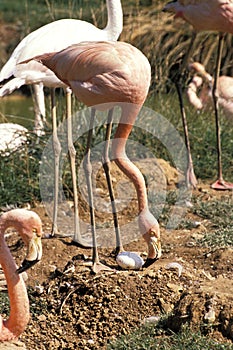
[(98, 266), (191, 177), (81, 244), (222, 185)]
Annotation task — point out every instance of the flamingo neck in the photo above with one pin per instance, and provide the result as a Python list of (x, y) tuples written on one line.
[(114, 25), (127, 120), (132, 172), (19, 303), (148, 224)]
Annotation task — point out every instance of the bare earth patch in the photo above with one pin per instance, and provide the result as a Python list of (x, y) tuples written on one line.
[(73, 309)]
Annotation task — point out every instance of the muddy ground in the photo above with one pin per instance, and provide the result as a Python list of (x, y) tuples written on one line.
[(72, 308)]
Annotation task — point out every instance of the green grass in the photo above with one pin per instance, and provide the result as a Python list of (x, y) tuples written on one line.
[(19, 174), (39, 12), (149, 338), (219, 214)]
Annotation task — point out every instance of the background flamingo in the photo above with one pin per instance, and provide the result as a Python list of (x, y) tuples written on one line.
[(54, 37), (199, 90), (29, 226), (205, 15), (105, 74)]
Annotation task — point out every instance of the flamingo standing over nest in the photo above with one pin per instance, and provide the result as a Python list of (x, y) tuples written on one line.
[(204, 15), (54, 37), (104, 75), (29, 227)]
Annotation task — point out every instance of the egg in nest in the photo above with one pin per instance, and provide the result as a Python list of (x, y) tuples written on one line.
[(129, 261)]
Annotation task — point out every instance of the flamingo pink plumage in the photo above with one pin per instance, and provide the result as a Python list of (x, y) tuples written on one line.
[(29, 226), (111, 73), (208, 15), (204, 15)]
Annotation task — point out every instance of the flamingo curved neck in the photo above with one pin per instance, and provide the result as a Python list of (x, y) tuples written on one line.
[(19, 303), (114, 25), (129, 114)]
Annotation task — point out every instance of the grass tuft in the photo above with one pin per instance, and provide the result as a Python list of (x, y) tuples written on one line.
[(149, 337)]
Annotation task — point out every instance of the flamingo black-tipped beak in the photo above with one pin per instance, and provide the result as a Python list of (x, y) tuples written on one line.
[(34, 253), (26, 264), (149, 262)]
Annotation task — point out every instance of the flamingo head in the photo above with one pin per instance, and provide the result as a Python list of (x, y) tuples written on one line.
[(31, 233), (149, 229), (198, 68), (34, 249), (29, 226)]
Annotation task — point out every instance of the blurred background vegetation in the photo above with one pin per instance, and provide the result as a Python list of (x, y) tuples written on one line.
[(161, 38)]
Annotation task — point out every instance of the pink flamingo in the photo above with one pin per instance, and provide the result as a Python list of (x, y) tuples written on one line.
[(206, 15), (106, 74), (203, 82), (29, 226)]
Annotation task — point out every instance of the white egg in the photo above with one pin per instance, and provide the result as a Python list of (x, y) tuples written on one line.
[(129, 261)]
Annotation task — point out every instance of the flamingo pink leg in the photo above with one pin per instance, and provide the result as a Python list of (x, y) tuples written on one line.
[(97, 266), (106, 166), (220, 184)]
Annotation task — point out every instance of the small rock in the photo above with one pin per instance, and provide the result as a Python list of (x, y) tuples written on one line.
[(41, 318), (210, 316), (39, 289), (175, 287), (151, 319)]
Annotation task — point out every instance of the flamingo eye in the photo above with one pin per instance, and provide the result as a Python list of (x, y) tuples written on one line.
[(34, 230)]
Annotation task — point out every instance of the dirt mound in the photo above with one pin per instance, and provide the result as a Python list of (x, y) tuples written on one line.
[(73, 309)]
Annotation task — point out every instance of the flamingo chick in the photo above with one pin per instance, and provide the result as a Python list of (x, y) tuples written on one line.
[(29, 227), (112, 73)]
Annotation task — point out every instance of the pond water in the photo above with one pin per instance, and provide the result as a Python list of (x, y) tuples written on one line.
[(17, 109)]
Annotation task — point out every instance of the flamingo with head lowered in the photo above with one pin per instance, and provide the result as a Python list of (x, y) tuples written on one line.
[(29, 227), (205, 15), (54, 37), (104, 75)]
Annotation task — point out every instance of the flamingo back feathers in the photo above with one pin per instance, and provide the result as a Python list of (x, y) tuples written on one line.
[(101, 72)]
